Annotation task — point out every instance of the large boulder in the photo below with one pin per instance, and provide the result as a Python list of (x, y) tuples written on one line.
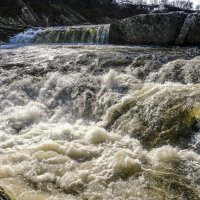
[(160, 28)]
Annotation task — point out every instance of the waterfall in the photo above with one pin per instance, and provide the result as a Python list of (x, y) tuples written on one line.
[(26, 37), (92, 34)]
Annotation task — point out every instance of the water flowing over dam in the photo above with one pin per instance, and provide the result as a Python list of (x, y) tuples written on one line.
[(88, 122), (93, 34)]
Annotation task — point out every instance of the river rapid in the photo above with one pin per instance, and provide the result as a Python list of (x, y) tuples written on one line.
[(98, 122)]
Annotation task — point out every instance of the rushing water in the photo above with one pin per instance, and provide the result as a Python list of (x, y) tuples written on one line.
[(95, 34), (100, 122)]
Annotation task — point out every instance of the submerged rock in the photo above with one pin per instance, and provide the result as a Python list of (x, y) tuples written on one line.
[(157, 115)]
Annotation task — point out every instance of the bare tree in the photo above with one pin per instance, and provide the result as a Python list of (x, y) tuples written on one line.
[(134, 2), (184, 4), (159, 2), (188, 5), (154, 2), (172, 3), (198, 7), (165, 2)]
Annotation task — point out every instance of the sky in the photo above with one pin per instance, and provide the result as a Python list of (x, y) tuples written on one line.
[(196, 2)]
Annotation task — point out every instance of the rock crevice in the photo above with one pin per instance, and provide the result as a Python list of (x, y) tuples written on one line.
[(189, 24)]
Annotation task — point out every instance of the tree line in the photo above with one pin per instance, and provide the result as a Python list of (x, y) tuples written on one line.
[(183, 4)]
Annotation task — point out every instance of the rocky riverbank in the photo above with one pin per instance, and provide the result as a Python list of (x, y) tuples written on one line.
[(174, 28), (18, 15)]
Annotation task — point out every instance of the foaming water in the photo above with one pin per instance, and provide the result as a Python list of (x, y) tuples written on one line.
[(93, 34), (26, 37), (99, 122)]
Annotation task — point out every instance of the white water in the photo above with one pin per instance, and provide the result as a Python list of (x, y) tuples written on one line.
[(95, 34), (72, 119), (26, 37)]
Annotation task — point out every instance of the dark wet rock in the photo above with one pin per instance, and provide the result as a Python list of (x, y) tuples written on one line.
[(16, 16), (189, 33), (193, 36), (174, 28), (159, 28), (3, 195), (181, 39)]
